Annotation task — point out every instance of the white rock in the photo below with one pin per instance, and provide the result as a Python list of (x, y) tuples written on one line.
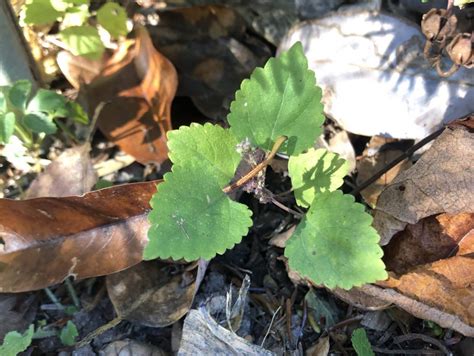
[(374, 77)]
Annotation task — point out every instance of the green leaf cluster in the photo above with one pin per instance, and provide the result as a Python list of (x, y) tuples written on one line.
[(25, 114), (79, 37), (193, 218)]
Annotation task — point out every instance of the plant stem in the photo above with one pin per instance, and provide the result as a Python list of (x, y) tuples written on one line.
[(25, 136), (240, 182), (66, 130)]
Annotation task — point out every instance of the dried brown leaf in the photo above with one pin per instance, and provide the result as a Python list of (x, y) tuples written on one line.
[(45, 240), (153, 294), (136, 87), (80, 70), (71, 173), (440, 182)]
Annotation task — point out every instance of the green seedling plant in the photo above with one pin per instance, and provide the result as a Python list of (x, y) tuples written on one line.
[(276, 111), (30, 116), (78, 25)]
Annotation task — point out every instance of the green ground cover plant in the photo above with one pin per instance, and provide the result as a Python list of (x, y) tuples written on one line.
[(277, 110)]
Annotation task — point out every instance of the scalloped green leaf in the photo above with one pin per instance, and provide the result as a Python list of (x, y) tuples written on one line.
[(281, 99), (192, 218), (113, 18), (39, 122), (316, 171), (83, 41), (7, 126), (208, 149), (47, 101), (40, 12), (335, 244), (14, 342), (361, 343)]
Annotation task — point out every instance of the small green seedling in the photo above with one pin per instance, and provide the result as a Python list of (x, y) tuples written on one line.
[(14, 342), (31, 117), (277, 110), (361, 343), (77, 35)]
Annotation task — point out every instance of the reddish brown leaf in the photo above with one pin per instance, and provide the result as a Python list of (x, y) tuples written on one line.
[(136, 88), (431, 239), (44, 240)]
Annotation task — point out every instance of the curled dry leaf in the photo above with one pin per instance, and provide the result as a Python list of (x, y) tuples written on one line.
[(80, 70), (96, 234), (53, 182), (440, 182), (154, 293), (136, 88)]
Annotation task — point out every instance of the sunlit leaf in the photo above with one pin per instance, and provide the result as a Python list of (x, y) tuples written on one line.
[(192, 218), (83, 41), (335, 245), (40, 12), (281, 99), (314, 172), (113, 18), (206, 148)]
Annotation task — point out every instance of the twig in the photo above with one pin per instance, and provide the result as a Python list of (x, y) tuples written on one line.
[(240, 182), (287, 209), (99, 331), (397, 160), (405, 352), (270, 326), (72, 293), (425, 338)]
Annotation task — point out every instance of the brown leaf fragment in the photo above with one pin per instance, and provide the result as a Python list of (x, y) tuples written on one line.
[(80, 70), (440, 182), (71, 173), (136, 87), (153, 293), (45, 240), (375, 158), (431, 239)]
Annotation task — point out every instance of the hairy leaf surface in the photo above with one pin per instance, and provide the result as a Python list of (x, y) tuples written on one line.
[(207, 148), (192, 218), (314, 172), (335, 245), (281, 99)]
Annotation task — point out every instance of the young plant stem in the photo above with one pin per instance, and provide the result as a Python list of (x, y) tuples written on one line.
[(24, 135), (240, 182)]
